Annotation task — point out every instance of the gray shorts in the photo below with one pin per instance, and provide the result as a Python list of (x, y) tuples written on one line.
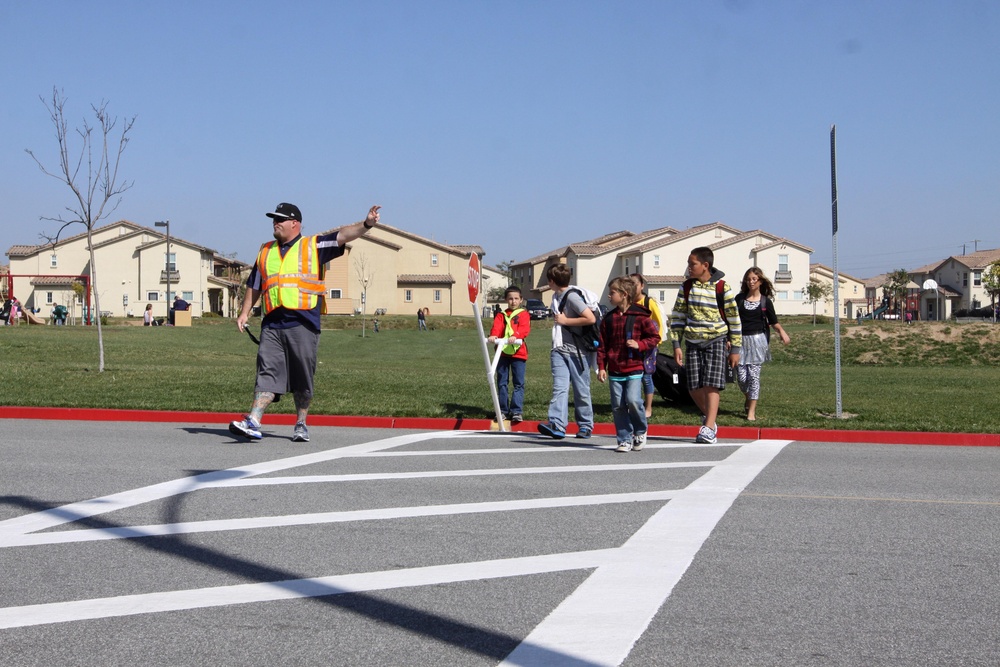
[(286, 361)]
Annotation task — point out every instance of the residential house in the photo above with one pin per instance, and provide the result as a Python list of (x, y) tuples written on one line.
[(851, 291), (392, 271), (661, 256), (957, 285), (133, 269)]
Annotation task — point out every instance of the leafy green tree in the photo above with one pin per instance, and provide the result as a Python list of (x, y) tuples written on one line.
[(817, 291), (895, 288), (991, 283), (495, 293)]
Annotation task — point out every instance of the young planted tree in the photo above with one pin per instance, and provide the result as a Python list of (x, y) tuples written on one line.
[(364, 268), (90, 170), (817, 291), (895, 289), (991, 283)]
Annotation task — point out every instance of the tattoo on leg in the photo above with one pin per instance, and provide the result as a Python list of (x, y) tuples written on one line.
[(302, 403), (261, 400)]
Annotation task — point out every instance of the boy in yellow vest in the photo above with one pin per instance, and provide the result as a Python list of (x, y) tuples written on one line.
[(288, 277), (509, 326)]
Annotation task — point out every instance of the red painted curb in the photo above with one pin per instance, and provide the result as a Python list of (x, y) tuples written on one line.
[(461, 424)]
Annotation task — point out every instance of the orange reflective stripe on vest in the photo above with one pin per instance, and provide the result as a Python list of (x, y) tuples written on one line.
[(294, 281)]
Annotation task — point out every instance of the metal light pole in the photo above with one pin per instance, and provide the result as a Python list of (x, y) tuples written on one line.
[(166, 223)]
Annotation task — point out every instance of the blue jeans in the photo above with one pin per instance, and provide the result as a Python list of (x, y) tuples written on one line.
[(628, 407), (514, 368), (570, 369)]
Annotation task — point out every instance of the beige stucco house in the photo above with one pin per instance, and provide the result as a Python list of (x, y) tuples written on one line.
[(132, 270), (959, 281), (397, 272), (851, 292), (661, 256)]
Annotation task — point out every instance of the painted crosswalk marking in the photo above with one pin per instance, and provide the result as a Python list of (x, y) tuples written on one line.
[(597, 624)]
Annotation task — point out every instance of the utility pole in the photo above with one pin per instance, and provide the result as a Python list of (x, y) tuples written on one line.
[(166, 223)]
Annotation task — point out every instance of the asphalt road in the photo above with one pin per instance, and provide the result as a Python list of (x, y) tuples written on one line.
[(173, 544)]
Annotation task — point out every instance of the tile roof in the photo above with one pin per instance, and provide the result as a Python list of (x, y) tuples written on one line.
[(53, 280), (425, 278)]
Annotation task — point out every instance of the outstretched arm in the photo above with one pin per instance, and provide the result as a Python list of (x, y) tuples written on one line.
[(348, 233)]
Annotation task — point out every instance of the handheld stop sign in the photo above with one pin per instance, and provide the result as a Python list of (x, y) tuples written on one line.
[(475, 276)]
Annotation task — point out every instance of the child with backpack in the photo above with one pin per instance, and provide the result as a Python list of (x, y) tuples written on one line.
[(627, 334), (705, 318), (649, 363), (510, 329), (572, 349), (757, 316)]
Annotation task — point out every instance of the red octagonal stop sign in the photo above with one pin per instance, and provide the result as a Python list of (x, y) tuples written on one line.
[(474, 276)]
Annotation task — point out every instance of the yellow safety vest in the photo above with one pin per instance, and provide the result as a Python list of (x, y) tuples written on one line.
[(508, 330), (294, 281)]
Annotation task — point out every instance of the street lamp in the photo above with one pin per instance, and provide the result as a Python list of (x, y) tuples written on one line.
[(166, 223)]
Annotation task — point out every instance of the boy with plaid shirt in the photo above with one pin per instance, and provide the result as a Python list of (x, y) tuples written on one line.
[(627, 333), (697, 319)]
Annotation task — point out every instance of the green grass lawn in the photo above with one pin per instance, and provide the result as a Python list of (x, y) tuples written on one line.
[(894, 377)]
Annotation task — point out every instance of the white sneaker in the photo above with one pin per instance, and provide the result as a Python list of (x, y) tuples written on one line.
[(624, 447), (638, 442), (706, 436)]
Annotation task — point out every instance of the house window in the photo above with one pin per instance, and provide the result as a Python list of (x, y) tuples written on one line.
[(656, 264), (53, 261), (49, 298), (797, 295), (437, 296), (408, 295), (335, 294), (662, 296), (782, 295), (965, 279), (152, 296), (188, 296), (977, 278), (782, 262), (171, 261), (434, 259)]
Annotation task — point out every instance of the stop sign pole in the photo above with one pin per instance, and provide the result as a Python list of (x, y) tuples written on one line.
[(474, 278)]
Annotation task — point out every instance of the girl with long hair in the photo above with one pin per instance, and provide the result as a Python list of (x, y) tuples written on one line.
[(757, 315)]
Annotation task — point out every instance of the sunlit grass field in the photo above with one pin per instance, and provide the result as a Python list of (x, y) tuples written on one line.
[(921, 377)]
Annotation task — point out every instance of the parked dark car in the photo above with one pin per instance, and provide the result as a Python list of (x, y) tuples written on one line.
[(537, 309)]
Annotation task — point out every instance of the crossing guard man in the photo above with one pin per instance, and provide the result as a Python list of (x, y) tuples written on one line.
[(288, 275)]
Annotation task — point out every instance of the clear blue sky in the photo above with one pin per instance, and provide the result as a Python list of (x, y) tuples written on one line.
[(524, 125)]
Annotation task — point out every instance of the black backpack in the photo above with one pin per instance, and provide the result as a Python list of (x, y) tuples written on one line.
[(586, 337)]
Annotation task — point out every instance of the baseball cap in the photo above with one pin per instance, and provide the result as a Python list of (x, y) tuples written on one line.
[(286, 211)]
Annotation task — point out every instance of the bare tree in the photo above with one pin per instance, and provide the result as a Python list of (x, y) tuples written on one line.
[(92, 175), (366, 276)]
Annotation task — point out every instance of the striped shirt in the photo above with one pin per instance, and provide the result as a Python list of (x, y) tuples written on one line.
[(697, 319)]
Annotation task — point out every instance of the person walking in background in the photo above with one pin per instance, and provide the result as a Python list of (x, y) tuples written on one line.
[(704, 316), (421, 320), (649, 363), (570, 358), (288, 276), (627, 334), (757, 316), (510, 329)]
